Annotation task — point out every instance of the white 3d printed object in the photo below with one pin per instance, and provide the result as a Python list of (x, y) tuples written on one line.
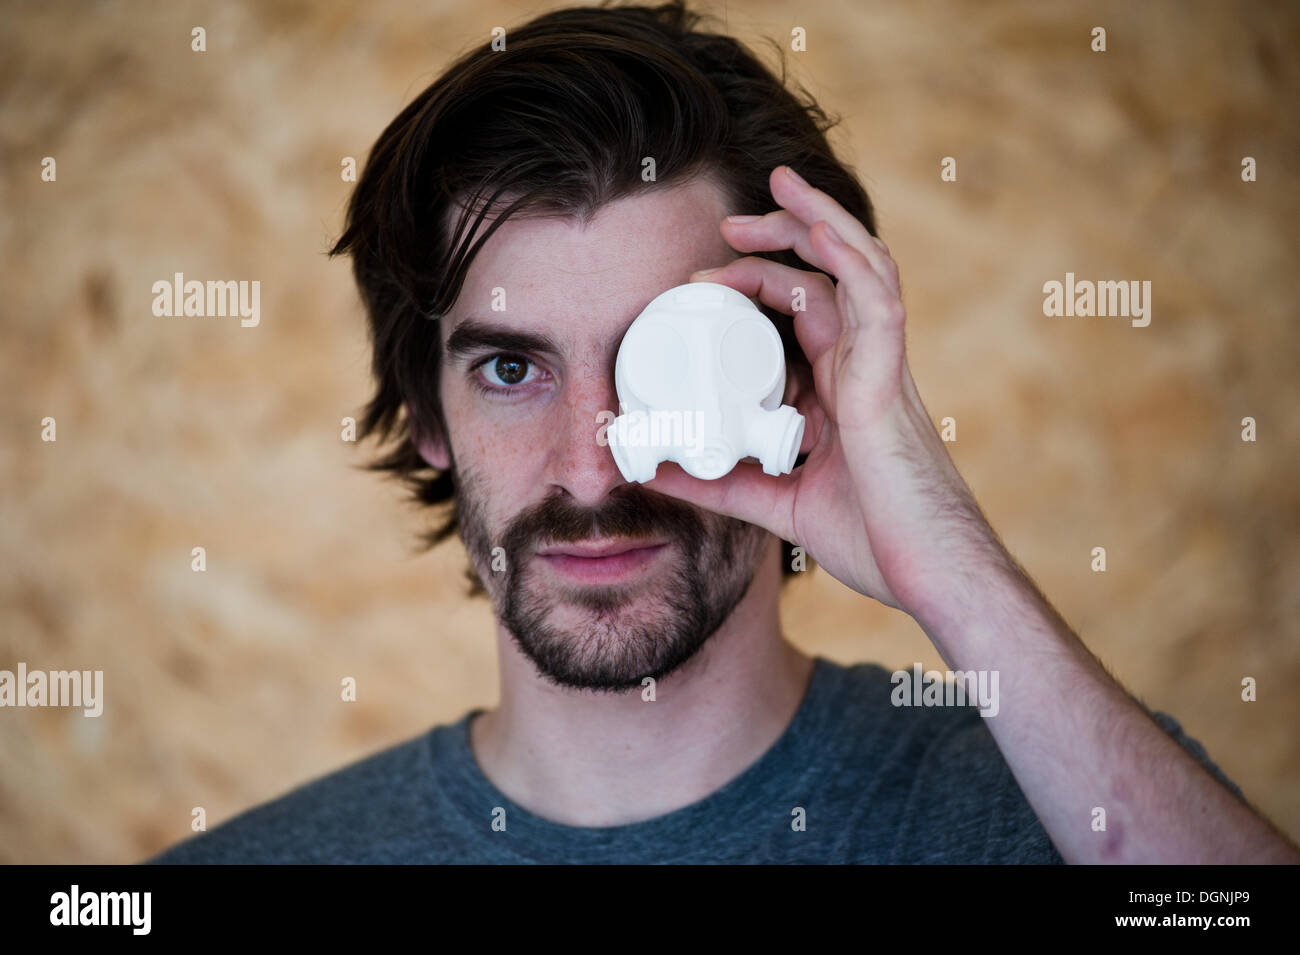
[(700, 375)]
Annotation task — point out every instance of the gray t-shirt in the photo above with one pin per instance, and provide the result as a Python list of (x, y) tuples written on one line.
[(853, 779)]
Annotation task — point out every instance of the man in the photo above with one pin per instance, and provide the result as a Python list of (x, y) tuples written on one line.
[(651, 709)]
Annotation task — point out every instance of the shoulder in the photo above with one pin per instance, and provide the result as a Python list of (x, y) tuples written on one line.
[(935, 772), (362, 812), (941, 765), (884, 715)]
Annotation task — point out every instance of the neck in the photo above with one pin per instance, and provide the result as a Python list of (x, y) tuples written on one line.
[(602, 759)]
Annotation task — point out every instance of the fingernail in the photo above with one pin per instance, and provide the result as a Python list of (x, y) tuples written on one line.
[(741, 219), (835, 236), (704, 272), (796, 177)]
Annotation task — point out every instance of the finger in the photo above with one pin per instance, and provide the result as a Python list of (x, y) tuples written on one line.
[(816, 324), (810, 205), (874, 319), (890, 269), (781, 230), (747, 494), (862, 290), (777, 230)]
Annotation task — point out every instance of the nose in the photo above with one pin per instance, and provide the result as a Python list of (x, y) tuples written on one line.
[(579, 463)]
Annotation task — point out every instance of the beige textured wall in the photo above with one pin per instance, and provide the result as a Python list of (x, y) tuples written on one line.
[(222, 688)]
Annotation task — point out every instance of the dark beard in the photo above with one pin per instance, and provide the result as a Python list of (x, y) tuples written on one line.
[(715, 559)]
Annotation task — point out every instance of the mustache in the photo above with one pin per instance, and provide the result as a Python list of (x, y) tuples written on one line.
[(628, 511)]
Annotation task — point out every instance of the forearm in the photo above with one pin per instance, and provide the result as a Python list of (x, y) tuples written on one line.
[(1075, 740)]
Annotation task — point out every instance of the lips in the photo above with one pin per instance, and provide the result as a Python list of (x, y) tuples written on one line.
[(603, 563), (594, 550)]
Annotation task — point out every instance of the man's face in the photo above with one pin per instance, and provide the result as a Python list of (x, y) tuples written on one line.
[(521, 391)]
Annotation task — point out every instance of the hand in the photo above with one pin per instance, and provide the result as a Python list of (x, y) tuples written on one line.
[(878, 502)]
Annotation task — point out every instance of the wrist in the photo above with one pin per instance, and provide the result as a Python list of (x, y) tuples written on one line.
[(987, 600)]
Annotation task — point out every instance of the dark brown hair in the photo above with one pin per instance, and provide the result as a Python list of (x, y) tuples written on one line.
[(557, 123)]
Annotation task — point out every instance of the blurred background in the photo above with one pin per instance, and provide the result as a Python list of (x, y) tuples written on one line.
[(223, 687)]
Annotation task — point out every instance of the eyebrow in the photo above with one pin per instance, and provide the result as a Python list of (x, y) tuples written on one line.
[(472, 334)]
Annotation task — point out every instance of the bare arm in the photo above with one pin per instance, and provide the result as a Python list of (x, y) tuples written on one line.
[(1076, 740)]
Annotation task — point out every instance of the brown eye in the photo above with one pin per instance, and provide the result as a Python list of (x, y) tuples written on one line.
[(507, 370)]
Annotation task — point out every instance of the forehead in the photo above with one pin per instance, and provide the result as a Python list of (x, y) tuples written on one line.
[(593, 280)]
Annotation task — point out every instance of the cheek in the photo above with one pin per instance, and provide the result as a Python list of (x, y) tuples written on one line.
[(485, 429), (478, 436), (506, 462), (506, 448), (497, 457)]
